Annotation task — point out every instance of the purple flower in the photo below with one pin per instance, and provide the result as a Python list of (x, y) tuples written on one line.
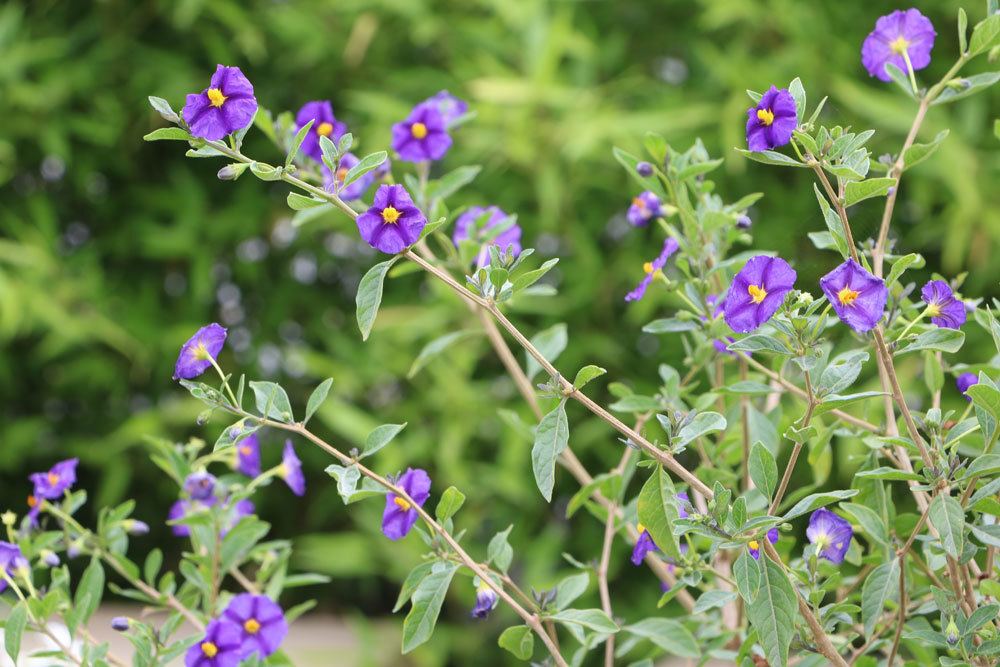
[(771, 122), (400, 515), (644, 208), (754, 547), (324, 125), (945, 310), (857, 296), (52, 484), (450, 107), (222, 646), (291, 470), (901, 32), (260, 621), (12, 561), (643, 545), (423, 136), (652, 268), (334, 182), (466, 228), (644, 169), (757, 292), (199, 351), (393, 223), (248, 455), (179, 510), (683, 502), (119, 623), (831, 535), (34, 509), (964, 381), (744, 222), (226, 106), (200, 485), (486, 600), (236, 512)]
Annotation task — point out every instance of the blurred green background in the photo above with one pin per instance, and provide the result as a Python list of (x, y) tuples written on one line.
[(113, 251)]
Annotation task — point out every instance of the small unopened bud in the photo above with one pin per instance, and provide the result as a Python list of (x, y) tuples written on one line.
[(135, 527), (119, 623), (744, 222), (644, 169), (805, 298), (231, 171), (951, 633), (8, 518), (891, 191), (74, 549), (50, 558)]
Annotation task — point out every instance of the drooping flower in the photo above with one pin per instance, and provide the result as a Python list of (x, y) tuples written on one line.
[(643, 545), (260, 621), (450, 107), (393, 223), (248, 455), (644, 208), (486, 601), (199, 351), (400, 515), (334, 182), (757, 292), (12, 563), (325, 124), (52, 484), (509, 239), (291, 470), (200, 485), (898, 35), (423, 136), (754, 547), (222, 646), (652, 268), (857, 296), (945, 310), (964, 381), (226, 106), (831, 535), (771, 122)]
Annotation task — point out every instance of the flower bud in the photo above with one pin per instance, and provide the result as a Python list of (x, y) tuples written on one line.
[(135, 527), (744, 222), (232, 171), (805, 298), (644, 169), (74, 549), (119, 623), (8, 518), (200, 485), (50, 558), (951, 633)]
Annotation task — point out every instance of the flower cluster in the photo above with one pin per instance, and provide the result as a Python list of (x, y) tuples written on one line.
[(250, 624)]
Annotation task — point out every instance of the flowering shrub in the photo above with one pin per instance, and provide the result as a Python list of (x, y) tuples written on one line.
[(697, 490)]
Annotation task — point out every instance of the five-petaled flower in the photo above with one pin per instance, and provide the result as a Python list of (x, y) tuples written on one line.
[(830, 534), (857, 296), (226, 106), (423, 136), (644, 208), (260, 621), (964, 381), (291, 470), (498, 229), (52, 484), (200, 486), (771, 122), (393, 222), (248, 455), (757, 292), (486, 600), (198, 353), (945, 310), (325, 124), (753, 546), (901, 35), (652, 269), (450, 107), (334, 181), (222, 646), (400, 515), (12, 562)]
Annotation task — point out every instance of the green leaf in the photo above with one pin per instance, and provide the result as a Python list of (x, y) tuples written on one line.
[(833, 224), (668, 634), (772, 613), (798, 93), (657, 511), (702, 424), (296, 144), (817, 500), (436, 347), (917, 153), (985, 35), (88, 592), (499, 551), (750, 388), (380, 436), (987, 464), (550, 342), (670, 325), (979, 618), (452, 182), (551, 438), (519, 640), (240, 540), (771, 157), (841, 372), (986, 397), (837, 401), (168, 134), (761, 343), (529, 278), (712, 600), (369, 296), (569, 589), (870, 520), (17, 620), (426, 606), (592, 619), (265, 172), (151, 568), (902, 264), (963, 27), (698, 169), (746, 571), (586, 374), (366, 164), (938, 338), (316, 398), (880, 586), (763, 469), (857, 191), (969, 85), (163, 108), (298, 202), (272, 401), (948, 517), (411, 582), (451, 501)]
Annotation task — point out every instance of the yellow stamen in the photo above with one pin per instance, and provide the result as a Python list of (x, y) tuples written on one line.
[(765, 116), (418, 130), (757, 294), (200, 352), (390, 215), (403, 503), (252, 626), (641, 528), (215, 97), (934, 310), (53, 479), (324, 129), (899, 45), (32, 501), (753, 544), (209, 649), (245, 451), (847, 296), (342, 173), (639, 202)]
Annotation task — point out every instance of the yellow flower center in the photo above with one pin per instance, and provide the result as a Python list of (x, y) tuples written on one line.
[(200, 352), (934, 309), (821, 541), (216, 97), (639, 202), (757, 294), (641, 528), (765, 116), (209, 649), (753, 544), (324, 129), (402, 503), (252, 626), (32, 501), (53, 479), (342, 173), (847, 296), (245, 451), (418, 130), (899, 45), (390, 215)]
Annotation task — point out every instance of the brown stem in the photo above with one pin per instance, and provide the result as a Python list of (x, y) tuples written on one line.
[(794, 457)]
